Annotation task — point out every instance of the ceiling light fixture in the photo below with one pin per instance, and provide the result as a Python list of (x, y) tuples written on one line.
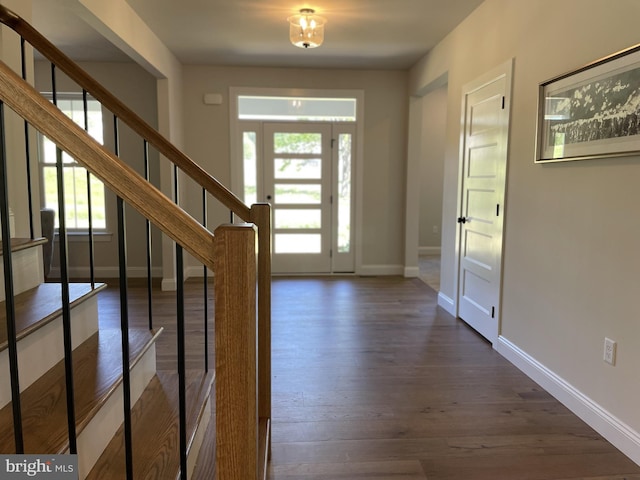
[(306, 30)]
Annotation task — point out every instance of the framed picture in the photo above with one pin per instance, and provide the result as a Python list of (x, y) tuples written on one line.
[(592, 112)]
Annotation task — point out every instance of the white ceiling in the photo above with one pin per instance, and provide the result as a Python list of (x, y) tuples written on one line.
[(372, 34)]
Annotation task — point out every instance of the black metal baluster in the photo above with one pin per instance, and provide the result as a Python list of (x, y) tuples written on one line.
[(147, 176), (92, 274), (27, 147), (64, 280), (8, 291), (124, 319), (182, 384), (206, 288)]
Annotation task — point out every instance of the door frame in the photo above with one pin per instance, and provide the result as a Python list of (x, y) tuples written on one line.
[(504, 70), (235, 143)]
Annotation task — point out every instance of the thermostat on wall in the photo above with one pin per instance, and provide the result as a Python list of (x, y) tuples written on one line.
[(213, 98)]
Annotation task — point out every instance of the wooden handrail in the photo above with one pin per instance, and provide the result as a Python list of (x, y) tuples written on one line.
[(115, 174), (124, 113)]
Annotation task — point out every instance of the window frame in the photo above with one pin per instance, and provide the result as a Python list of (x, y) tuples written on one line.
[(101, 232)]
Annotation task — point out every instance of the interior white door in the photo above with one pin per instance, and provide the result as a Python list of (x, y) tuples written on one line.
[(297, 183), (486, 125)]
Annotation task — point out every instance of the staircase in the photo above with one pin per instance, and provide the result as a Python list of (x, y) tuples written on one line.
[(65, 357), (97, 380)]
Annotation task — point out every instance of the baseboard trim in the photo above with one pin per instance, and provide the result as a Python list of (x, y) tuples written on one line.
[(169, 285), (411, 272), (198, 272), (447, 303), (429, 250), (106, 272), (621, 435), (375, 270)]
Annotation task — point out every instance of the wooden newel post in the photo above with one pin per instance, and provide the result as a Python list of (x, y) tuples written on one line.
[(236, 353), (261, 217)]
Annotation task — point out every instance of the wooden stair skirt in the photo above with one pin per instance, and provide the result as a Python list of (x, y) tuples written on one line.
[(97, 363)]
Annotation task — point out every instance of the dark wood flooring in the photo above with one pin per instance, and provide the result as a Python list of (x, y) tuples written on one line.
[(372, 380)]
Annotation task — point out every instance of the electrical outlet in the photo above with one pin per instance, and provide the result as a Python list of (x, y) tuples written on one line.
[(435, 229), (609, 351)]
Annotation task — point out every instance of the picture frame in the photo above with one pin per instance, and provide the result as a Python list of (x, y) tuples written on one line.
[(591, 112)]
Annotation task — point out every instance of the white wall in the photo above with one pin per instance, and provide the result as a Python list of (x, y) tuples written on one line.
[(570, 262), (385, 123)]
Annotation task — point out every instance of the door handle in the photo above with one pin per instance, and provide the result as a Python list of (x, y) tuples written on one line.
[(462, 220)]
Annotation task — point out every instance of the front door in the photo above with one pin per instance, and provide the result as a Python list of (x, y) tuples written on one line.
[(484, 161), (297, 183)]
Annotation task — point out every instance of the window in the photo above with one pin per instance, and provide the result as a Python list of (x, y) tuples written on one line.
[(316, 109), (250, 157), (76, 179), (344, 196)]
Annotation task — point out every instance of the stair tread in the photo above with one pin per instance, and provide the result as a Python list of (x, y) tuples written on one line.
[(18, 244), (40, 305), (97, 372), (155, 429)]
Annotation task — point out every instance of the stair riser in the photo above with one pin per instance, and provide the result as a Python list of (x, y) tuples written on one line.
[(42, 349), (100, 430), (27, 271)]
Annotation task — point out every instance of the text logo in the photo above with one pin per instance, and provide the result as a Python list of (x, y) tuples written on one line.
[(49, 467)]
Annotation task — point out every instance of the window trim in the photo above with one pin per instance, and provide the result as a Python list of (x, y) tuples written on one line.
[(101, 234)]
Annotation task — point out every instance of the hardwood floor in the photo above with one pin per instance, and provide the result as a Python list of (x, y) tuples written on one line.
[(372, 380), (429, 270)]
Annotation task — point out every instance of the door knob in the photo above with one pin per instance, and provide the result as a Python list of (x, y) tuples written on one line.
[(462, 220), (268, 197)]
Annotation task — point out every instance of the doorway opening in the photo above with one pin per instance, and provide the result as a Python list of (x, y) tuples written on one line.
[(432, 150)]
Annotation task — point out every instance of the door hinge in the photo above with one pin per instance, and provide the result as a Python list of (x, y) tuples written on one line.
[(331, 253), (493, 312), (333, 140), (503, 102)]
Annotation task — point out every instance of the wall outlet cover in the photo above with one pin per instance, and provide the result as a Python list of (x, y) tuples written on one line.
[(609, 351)]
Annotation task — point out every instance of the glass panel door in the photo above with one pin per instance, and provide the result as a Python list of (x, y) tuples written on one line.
[(343, 257), (297, 183)]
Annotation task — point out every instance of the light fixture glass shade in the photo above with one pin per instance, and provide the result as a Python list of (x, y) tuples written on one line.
[(306, 30)]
